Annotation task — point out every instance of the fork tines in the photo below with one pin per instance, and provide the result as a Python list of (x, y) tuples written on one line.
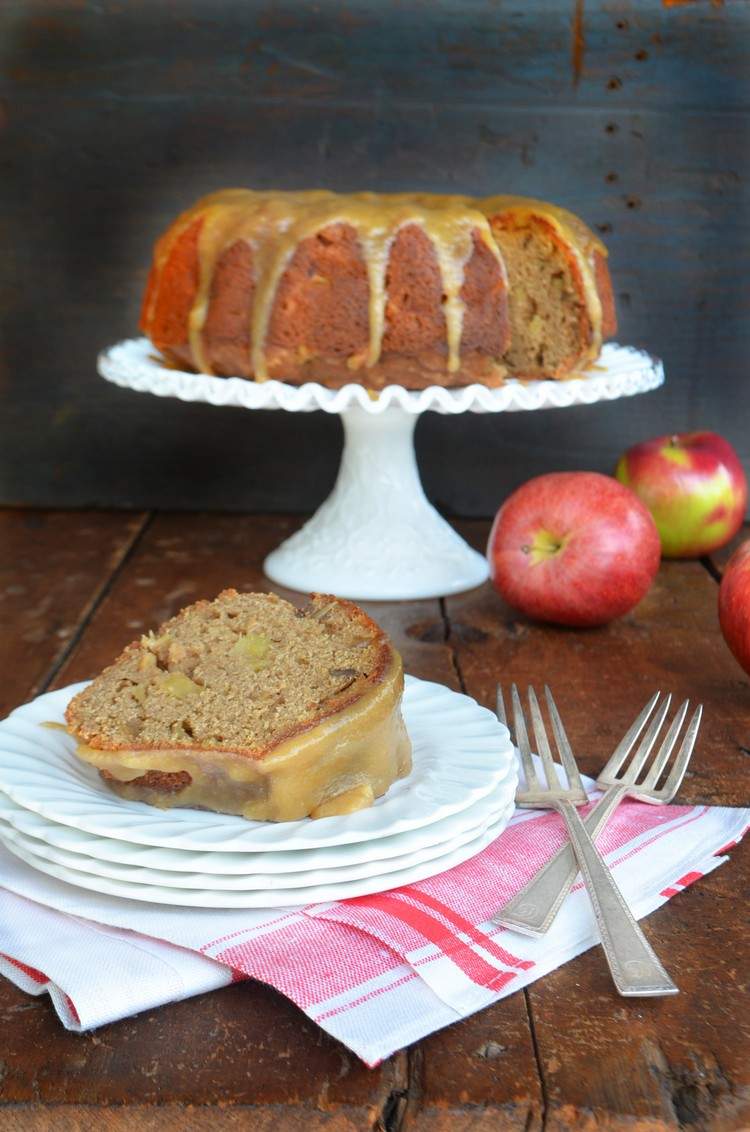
[(574, 791), (618, 771), (627, 760)]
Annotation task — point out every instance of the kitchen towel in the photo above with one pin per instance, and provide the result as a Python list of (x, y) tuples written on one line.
[(377, 972)]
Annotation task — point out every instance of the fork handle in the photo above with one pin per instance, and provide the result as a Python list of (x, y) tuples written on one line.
[(632, 961), (532, 910)]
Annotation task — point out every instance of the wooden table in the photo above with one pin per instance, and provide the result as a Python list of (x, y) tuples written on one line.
[(566, 1053)]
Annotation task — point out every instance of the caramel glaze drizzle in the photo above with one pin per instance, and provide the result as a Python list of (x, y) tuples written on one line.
[(275, 223)]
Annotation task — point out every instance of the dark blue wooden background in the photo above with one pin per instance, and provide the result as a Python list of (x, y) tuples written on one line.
[(115, 115)]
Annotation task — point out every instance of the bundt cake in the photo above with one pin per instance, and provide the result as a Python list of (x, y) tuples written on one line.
[(408, 289), (247, 705)]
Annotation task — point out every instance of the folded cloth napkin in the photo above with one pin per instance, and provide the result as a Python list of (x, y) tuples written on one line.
[(377, 972)]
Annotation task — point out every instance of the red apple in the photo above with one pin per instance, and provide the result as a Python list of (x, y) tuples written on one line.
[(734, 604), (693, 485), (575, 548)]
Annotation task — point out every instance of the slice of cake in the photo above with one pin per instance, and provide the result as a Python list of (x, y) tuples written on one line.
[(247, 705), (560, 301)]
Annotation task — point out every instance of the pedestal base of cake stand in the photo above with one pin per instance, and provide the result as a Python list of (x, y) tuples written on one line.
[(377, 536)]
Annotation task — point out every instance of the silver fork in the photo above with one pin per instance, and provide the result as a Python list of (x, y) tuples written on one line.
[(633, 963), (533, 909)]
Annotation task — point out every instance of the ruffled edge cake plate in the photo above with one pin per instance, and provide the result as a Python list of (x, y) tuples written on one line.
[(360, 867), (377, 537), (265, 898), (620, 371), (292, 868)]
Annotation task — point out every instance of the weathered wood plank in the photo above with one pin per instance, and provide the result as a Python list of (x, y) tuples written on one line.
[(180, 1118), (606, 1064), (612, 1064), (466, 1078), (675, 266), (409, 53), (609, 1063), (651, 146), (243, 1046), (54, 567)]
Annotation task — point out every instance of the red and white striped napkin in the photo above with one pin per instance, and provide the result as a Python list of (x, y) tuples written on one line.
[(377, 972)]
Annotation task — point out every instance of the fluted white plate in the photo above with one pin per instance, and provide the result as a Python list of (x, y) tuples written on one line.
[(619, 372), (268, 898), (249, 870), (460, 755), (432, 842)]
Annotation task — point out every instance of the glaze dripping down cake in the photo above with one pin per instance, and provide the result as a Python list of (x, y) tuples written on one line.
[(408, 289), (246, 705)]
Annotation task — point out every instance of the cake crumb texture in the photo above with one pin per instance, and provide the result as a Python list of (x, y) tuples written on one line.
[(233, 674)]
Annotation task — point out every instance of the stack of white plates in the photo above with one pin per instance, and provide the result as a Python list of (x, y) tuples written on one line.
[(57, 815)]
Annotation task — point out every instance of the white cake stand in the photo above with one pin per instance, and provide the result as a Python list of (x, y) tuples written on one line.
[(376, 536)]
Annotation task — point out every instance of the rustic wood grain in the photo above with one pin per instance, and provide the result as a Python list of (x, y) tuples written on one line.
[(672, 1063), (180, 1118), (115, 116), (246, 1057), (608, 1063), (245, 1046), (479, 1075), (177, 1118), (53, 568)]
